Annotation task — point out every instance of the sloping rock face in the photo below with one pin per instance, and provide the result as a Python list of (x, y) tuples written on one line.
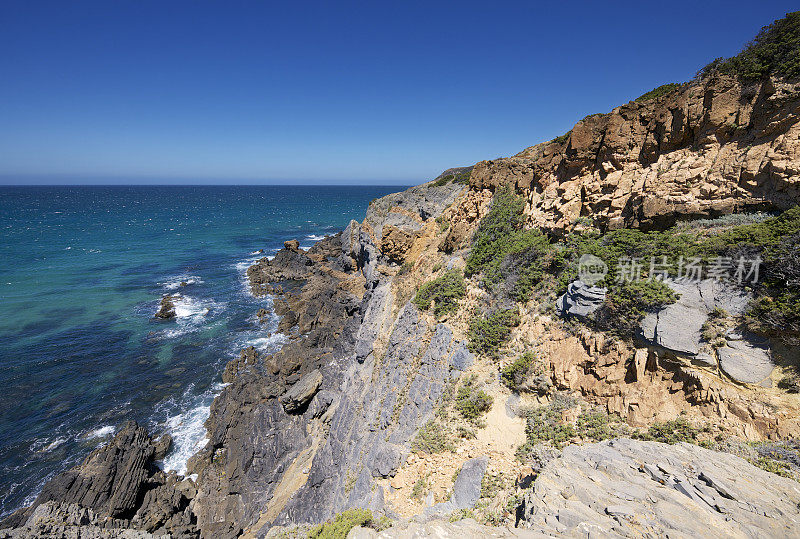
[(117, 486), (712, 147), (627, 488)]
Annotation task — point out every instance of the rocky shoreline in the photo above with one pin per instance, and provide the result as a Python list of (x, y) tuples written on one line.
[(330, 421)]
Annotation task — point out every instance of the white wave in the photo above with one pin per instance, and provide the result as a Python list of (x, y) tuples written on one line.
[(102, 432), (268, 344), (191, 314), (53, 444), (175, 282), (316, 237)]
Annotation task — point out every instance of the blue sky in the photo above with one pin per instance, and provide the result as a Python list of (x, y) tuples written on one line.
[(331, 92)]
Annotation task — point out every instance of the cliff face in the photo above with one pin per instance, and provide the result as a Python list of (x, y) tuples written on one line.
[(711, 147)]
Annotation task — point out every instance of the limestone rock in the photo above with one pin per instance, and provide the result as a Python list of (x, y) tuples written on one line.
[(292, 245), (747, 361), (625, 488), (466, 489), (677, 327), (302, 392), (580, 299)]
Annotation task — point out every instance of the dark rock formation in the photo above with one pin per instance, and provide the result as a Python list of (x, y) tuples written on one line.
[(466, 489), (580, 299), (166, 310), (301, 392), (117, 486)]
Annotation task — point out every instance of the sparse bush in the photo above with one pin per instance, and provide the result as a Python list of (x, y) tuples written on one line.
[(345, 521), (774, 51), (420, 488), (472, 402), (487, 333), (432, 438), (514, 375), (563, 138), (444, 291), (627, 304), (661, 91), (670, 432)]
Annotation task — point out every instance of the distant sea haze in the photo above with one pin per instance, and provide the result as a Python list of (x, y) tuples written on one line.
[(84, 270)]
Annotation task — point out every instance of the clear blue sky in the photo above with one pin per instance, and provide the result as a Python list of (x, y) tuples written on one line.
[(370, 92)]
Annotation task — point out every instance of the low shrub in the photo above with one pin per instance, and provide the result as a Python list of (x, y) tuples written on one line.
[(472, 402), (514, 375), (345, 521), (444, 292), (661, 91), (774, 51), (670, 432), (488, 332), (432, 438)]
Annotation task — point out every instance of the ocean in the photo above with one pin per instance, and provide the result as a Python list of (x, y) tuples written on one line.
[(83, 271)]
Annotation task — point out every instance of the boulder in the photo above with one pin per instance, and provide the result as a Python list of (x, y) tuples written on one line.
[(580, 299), (302, 392), (747, 361), (292, 245), (466, 489), (677, 327)]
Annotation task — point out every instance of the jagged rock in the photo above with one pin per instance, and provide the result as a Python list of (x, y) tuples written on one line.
[(714, 146), (461, 359), (396, 243), (166, 310), (747, 361), (580, 299), (678, 327), (69, 521), (162, 446), (625, 488), (116, 486), (292, 245), (466, 489), (302, 392), (408, 209)]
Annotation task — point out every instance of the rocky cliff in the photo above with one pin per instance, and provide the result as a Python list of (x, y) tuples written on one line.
[(710, 147), (421, 389)]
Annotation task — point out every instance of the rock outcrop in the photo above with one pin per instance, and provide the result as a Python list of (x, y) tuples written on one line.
[(166, 309), (580, 299), (627, 488), (711, 147), (118, 486)]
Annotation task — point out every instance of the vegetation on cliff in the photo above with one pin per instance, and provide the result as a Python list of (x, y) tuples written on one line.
[(774, 51), (444, 292)]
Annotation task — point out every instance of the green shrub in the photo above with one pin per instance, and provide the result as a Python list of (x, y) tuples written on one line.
[(444, 291), (514, 375), (563, 138), (661, 91), (487, 333), (628, 303), (774, 51), (341, 525), (472, 402), (503, 220), (432, 438), (420, 488), (670, 432)]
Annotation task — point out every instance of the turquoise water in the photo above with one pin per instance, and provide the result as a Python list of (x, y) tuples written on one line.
[(82, 273)]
